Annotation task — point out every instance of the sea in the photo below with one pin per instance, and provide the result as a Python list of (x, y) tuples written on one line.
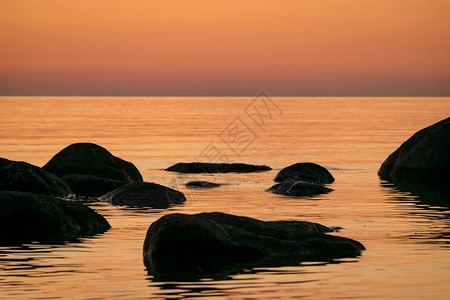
[(406, 235)]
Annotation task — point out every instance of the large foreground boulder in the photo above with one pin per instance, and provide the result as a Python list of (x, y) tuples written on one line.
[(144, 194), (185, 246), (309, 172), (199, 167), (298, 188), (424, 157), (25, 177), (27, 217), (91, 170)]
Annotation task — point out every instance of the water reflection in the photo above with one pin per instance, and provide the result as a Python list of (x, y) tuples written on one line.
[(227, 272), (32, 260), (250, 279), (432, 203)]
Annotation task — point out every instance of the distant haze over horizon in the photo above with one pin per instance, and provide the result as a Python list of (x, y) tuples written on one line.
[(225, 48)]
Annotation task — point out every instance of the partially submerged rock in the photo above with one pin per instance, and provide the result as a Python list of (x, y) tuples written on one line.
[(27, 217), (104, 169), (25, 177), (181, 246), (199, 167), (144, 194), (309, 172), (298, 188), (424, 157), (201, 184)]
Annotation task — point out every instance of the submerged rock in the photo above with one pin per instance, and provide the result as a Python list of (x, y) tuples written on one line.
[(26, 217), (25, 177), (309, 172), (298, 188), (144, 194), (199, 167), (181, 246), (424, 157), (201, 184), (104, 169)]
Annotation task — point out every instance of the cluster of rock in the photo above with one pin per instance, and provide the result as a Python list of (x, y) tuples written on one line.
[(180, 246), (34, 202), (34, 207)]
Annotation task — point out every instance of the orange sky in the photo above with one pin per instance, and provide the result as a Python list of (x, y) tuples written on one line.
[(322, 48)]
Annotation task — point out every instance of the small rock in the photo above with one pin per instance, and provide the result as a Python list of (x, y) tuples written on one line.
[(144, 194), (198, 167), (298, 188), (309, 172), (202, 184)]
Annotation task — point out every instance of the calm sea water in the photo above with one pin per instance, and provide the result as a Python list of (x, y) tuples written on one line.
[(407, 238)]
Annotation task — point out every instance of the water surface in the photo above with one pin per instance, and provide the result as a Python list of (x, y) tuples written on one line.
[(406, 236)]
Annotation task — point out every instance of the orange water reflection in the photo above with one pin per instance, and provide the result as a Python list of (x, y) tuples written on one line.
[(406, 236)]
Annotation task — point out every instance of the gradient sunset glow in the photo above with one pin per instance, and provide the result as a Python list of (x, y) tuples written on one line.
[(217, 48)]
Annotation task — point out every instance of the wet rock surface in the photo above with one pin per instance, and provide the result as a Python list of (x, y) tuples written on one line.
[(308, 172), (144, 194), (424, 157), (27, 217), (77, 161), (25, 177), (179, 246), (298, 188)]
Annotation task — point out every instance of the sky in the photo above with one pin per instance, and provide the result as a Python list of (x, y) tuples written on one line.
[(225, 48)]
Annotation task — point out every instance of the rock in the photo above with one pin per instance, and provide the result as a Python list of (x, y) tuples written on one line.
[(198, 167), (105, 170), (27, 217), (202, 184), (88, 185), (144, 194), (180, 246), (298, 188), (25, 177), (424, 157), (309, 172)]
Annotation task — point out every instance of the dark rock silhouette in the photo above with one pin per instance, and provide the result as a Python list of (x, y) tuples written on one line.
[(298, 188), (26, 217), (92, 186), (144, 194), (424, 157), (199, 167), (25, 177), (104, 169), (309, 172), (201, 184), (181, 246)]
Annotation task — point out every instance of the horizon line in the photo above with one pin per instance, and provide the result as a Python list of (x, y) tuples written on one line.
[(225, 96)]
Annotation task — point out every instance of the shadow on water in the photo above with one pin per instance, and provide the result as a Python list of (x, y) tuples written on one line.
[(432, 203), (224, 282), (227, 272)]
